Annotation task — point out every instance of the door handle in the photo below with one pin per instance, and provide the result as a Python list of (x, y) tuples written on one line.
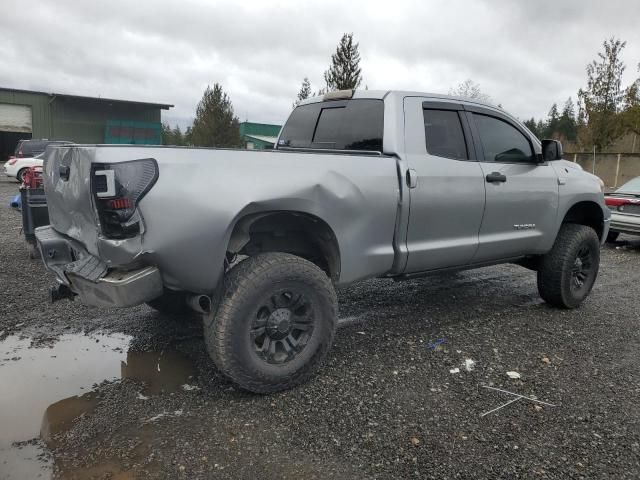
[(412, 178), (496, 177)]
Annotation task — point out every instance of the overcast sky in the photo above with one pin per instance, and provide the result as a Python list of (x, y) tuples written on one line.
[(524, 54)]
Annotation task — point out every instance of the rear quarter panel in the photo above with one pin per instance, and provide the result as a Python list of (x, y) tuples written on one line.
[(201, 193)]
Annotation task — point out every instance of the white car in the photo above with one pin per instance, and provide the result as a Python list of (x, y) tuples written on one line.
[(28, 154), (624, 204), (16, 167)]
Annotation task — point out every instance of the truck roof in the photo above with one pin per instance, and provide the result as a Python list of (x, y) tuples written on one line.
[(381, 94), (399, 94)]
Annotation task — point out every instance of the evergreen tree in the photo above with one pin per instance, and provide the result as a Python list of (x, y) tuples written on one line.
[(304, 93), (603, 98), (178, 137), (215, 124), (551, 126), (172, 136), (567, 127), (166, 134), (631, 113), (532, 126), (344, 73), (541, 128)]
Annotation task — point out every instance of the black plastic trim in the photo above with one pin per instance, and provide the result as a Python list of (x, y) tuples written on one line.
[(444, 105)]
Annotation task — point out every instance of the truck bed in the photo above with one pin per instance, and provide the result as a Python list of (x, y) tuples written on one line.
[(201, 193)]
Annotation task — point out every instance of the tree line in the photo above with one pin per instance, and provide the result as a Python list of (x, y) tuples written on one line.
[(605, 109), (216, 125)]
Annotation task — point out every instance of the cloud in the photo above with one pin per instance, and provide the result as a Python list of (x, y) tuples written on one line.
[(525, 55)]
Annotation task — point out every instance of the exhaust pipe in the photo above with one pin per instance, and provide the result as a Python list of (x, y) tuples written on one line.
[(199, 303)]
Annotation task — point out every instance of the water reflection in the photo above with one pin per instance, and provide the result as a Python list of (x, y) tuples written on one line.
[(33, 380), (160, 372)]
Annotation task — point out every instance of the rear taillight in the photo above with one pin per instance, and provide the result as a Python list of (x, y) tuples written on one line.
[(620, 204), (117, 190)]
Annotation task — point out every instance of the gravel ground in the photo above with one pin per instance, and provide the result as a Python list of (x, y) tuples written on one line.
[(386, 404)]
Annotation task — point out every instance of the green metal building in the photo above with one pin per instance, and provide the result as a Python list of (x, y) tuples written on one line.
[(259, 136), (28, 114)]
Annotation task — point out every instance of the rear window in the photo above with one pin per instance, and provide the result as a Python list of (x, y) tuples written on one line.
[(632, 186), (443, 134), (32, 147), (338, 125)]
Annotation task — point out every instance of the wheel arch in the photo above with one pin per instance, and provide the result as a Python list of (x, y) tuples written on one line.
[(288, 231), (586, 212)]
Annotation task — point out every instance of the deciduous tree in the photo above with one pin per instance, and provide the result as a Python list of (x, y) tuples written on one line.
[(602, 100), (471, 90)]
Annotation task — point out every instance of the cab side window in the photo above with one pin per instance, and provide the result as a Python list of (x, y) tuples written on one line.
[(444, 135), (502, 142)]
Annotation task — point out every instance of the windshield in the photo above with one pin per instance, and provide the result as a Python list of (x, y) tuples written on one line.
[(632, 186)]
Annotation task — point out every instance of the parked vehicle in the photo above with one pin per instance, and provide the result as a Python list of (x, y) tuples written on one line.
[(33, 204), (28, 154), (624, 204), (361, 184)]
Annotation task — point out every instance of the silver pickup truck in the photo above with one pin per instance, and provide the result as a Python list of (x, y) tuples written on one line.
[(361, 184)]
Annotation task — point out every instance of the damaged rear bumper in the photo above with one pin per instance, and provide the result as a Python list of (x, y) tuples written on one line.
[(91, 279)]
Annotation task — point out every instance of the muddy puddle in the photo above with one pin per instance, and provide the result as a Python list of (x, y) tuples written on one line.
[(44, 389)]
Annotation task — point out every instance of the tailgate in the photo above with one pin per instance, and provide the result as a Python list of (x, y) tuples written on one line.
[(67, 182)]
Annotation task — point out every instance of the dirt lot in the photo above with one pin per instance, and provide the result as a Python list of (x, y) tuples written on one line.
[(90, 393)]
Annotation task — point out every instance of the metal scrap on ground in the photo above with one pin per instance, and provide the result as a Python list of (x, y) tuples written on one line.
[(518, 397)]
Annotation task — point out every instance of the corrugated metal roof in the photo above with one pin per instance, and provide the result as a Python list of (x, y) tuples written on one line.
[(164, 106)]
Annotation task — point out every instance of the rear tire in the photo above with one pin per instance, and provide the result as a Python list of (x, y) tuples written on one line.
[(567, 272), (612, 236), (274, 324), (20, 175)]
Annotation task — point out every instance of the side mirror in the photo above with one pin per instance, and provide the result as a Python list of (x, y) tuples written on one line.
[(551, 150)]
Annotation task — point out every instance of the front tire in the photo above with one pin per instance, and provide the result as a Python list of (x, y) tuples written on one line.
[(274, 324), (567, 272)]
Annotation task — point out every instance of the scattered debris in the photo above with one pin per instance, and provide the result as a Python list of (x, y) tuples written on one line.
[(518, 397), (537, 408), (546, 360), (142, 397), (468, 364), (434, 345), (454, 370), (514, 375), (361, 333), (176, 413), (415, 441), (188, 388)]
